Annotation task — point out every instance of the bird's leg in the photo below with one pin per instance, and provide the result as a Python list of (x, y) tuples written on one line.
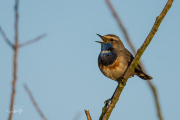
[(120, 80)]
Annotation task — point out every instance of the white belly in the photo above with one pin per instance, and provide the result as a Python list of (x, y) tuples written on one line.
[(114, 71)]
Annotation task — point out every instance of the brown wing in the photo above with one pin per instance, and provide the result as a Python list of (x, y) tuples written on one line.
[(129, 57)]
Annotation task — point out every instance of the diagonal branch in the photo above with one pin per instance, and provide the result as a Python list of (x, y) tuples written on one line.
[(34, 102), (15, 59), (135, 61), (88, 114), (151, 85), (6, 39), (33, 40)]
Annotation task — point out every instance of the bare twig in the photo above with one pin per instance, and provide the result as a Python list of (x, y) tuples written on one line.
[(15, 59), (135, 61), (6, 39), (88, 114), (151, 85), (33, 40), (121, 26), (15, 47), (34, 102), (153, 88)]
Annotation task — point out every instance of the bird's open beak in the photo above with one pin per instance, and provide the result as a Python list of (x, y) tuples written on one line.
[(103, 38)]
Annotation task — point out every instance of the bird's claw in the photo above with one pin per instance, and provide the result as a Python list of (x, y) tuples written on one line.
[(107, 102)]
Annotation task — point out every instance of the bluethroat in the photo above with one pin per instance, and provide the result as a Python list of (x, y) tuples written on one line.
[(114, 59)]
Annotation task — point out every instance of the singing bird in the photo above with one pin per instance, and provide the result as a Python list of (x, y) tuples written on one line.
[(114, 59)]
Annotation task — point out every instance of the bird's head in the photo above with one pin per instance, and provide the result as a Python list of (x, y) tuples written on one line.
[(110, 42)]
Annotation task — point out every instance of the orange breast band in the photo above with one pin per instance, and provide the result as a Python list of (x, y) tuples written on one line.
[(111, 67)]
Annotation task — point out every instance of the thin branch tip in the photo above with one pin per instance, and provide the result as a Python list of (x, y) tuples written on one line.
[(34, 102), (88, 114), (6, 39), (33, 40)]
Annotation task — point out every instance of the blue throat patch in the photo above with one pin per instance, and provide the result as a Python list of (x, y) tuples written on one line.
[(107, 55)]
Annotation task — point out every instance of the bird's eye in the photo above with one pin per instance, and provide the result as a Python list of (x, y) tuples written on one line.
[(111, 39)]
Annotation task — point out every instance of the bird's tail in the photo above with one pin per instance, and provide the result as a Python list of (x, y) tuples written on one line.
[(144, 76)]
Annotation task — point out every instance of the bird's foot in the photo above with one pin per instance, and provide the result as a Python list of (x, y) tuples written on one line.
[(122, 77), (131, 76), (107, 102)]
